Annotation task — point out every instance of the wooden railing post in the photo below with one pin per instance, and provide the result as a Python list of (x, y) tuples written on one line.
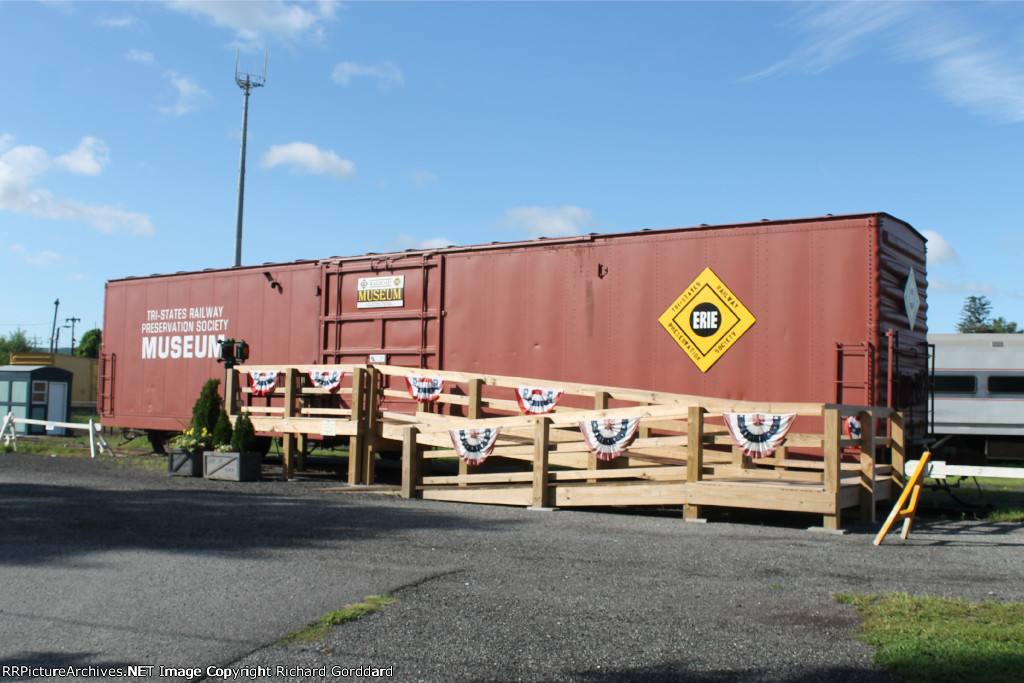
[(832, 471), (371, 388), (474, 411), (541, 436), (356, 443), (411, 462), (694, 455), (288, 454), (867, 466), (898, 451), (298, 401)]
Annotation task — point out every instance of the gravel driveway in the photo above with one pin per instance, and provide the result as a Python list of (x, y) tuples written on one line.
[(107, 566)]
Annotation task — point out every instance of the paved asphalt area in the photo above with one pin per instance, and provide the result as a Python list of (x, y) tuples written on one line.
[(104, 565)]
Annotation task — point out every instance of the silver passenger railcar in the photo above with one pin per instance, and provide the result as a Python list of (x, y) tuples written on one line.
[(977, 395)]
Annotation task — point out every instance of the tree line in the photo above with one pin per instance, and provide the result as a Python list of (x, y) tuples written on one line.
[(976, 317), (18, 342)]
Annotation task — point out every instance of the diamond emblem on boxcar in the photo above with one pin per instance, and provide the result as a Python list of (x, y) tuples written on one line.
[(706, 320), (911, 299)]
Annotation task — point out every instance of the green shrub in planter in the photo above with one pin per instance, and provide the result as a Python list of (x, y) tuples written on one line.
[(243, 438), (207, 407), (222, 431)]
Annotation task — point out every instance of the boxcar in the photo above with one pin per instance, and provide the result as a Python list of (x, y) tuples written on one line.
[(827, 309)]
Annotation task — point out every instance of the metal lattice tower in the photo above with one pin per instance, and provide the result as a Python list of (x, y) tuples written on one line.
[(246, 82)]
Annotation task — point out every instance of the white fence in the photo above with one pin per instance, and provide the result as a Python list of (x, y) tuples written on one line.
[(9, 434), (938, 469)]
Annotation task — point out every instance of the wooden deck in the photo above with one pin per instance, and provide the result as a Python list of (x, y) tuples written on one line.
[(683, 455)]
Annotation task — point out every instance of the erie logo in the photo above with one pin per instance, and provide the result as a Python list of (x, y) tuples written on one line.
[(706, 320)]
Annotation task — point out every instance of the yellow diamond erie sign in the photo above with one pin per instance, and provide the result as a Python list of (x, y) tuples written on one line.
[(706, 320)]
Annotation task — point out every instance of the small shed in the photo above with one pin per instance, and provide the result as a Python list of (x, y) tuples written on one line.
[(85, 371), (36, 392)]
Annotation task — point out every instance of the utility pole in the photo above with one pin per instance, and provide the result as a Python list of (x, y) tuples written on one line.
[(246, 82), (72, 321), (54, 332)]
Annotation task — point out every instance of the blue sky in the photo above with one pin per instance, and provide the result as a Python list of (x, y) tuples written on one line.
[(386, 126)]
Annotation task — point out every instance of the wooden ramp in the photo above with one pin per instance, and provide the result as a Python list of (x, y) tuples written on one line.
[(682, 455)]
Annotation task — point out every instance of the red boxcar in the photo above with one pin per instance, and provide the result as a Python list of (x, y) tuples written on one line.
[(829, 309)]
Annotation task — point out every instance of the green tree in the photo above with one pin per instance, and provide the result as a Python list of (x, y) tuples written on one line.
[(974, 318), (222, 430), (207, 407), (15, 342), (1000, 324), (89, 347), (243, 438)]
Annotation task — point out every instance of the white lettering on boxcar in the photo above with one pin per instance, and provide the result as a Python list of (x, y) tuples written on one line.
[(189, 332)]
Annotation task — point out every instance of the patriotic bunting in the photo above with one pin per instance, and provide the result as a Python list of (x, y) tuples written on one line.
[(424, 389), (536, 400), (758, 434), (851, 426), (262, 382), (474, 445), (607, 439), (326, 379)]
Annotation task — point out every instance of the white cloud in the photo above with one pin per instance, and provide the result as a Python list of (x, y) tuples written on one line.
[(966, 67), (256, 22), (116, 22), (42, 259), (303, 157), (423, 178), (140, 57), (966, 288), (386, 73), (88, 158), (190, 95), (939, 249), (837, 32), (1012, 245), (985, 81), (539, 221), (21, 166)]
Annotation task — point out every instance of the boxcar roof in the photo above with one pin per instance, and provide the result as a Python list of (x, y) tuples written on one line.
[(544, 241)]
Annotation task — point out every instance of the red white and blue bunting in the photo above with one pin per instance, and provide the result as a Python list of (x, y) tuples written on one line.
[(537, 400), (758, 434), (424, 389), (474, 445), (851, 426), (326, 379), (262, 382), (608, 438)]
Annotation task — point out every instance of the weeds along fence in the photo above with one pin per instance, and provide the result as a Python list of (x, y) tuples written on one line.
[(682, 454), (9, 432)]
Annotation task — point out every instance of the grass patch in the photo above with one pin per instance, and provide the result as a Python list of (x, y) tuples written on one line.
[(71, 446), (1007, 515), (977, 498), (326, 623), (52, 446), (942, 639)]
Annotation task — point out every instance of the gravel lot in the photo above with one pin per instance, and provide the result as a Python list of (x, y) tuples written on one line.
[(103, 565)]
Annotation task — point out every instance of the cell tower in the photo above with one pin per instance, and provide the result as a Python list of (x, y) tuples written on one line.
[(246, 82)]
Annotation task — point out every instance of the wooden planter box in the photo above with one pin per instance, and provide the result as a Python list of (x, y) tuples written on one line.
[(182, 463), (232, 466)]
